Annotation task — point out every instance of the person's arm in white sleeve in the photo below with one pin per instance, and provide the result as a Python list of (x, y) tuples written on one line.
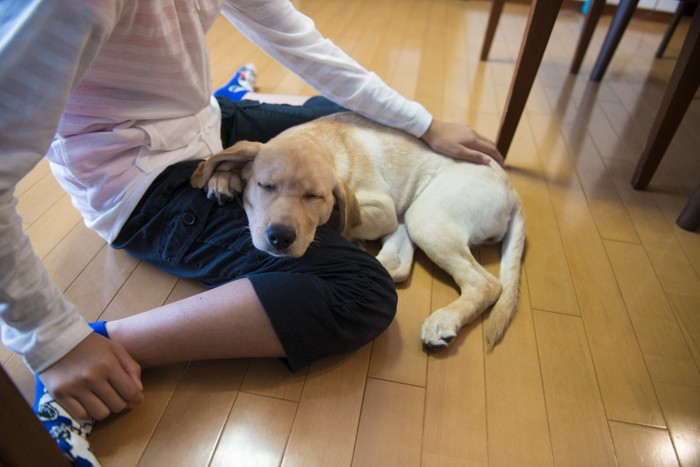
[(45, 46), (292, 39)]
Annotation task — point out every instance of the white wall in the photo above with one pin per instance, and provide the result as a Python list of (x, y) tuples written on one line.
[(654, 5)]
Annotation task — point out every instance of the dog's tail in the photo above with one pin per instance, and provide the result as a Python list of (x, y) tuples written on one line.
[(511, 259)]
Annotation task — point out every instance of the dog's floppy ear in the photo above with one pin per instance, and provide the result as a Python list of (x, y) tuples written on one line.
[(233, 158), (346, 213)]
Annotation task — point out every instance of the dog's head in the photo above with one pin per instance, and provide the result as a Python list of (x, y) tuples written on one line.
[(290, 187)]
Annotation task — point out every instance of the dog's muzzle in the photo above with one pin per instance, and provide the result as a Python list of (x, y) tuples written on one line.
[(280, 236)]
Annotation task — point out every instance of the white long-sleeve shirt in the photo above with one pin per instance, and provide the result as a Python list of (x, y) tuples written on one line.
[(113, 92)]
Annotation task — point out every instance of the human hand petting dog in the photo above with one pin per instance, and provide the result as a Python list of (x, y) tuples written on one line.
[(460, 141), (95, 379)]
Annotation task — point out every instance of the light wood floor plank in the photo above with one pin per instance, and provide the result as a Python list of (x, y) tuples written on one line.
[(681, 405), (256, 432), (52, 226), (72, 255), (551, 287), (404, 77), (146, 288), (623, 377), (455, 402), (270, 377), (325, 426), (397, 354), (122, 439), (663, 344), (609, 212), (95, 287), (39, 198), (390, 425), (580, 434), (518, 429), (189, 430), (670, 261), (640, 446), (686, 309)]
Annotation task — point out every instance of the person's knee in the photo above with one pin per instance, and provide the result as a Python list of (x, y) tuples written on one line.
[(324, 105)]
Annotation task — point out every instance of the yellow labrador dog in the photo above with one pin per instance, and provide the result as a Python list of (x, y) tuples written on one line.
[(384, 184)]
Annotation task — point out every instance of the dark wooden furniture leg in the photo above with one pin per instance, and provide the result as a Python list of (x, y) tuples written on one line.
[(23, 441), (543, 14), (622, 17), (494, 16), (675, 102), (689, 219), (592, 16), (671, 28)]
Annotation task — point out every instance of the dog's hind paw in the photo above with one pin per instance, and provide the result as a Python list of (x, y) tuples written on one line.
[(437, 333), (433, 346)]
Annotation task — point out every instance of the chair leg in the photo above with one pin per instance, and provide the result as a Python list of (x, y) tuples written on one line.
[(671, 28), (540, 22), (494, 16), (592, 17), (23, 441), (622, 17), (679, 93), (689, 219)]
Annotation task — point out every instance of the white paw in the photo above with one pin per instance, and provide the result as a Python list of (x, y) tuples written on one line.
[(439, 329)]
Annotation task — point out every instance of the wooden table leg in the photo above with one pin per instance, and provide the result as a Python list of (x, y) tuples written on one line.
[(622, 17), (494, 16), (592, 16), (674, 104), (670, 29), (540, 22), (23, 440)]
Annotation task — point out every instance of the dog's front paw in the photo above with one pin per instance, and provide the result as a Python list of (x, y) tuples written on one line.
[(439, 330), (223, 185)]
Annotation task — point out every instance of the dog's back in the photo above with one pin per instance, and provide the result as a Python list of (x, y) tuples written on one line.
[(446, 207)]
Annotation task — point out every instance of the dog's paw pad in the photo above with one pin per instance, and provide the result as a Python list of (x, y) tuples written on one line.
[(436, 339), (436, 345)]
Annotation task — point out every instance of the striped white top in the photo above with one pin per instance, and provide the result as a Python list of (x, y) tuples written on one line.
[(113, 92)]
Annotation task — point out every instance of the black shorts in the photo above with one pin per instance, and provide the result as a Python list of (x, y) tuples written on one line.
[(334, 299)]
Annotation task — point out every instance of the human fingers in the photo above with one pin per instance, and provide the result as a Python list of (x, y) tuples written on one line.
[(128, 381), (487, 150), (462, 142), (73, 407)]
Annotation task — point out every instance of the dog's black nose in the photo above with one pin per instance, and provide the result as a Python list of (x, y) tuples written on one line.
[(280, 236)]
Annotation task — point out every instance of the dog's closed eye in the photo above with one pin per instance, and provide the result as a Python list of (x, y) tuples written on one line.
[(270, 188)]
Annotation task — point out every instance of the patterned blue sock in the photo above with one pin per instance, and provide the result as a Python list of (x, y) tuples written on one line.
[(242, 83), (70, 434)]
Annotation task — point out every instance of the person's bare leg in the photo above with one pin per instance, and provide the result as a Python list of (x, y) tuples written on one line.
[(276, 98), (225, 322)]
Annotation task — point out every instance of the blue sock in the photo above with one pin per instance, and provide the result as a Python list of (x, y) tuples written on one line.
[(242, 83), (100, 327), (70, 434)]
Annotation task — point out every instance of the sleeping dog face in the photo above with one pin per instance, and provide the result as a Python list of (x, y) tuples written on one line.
[(290, 187)]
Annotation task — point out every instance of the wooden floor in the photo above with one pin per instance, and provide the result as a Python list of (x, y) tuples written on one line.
[(601, 365)]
